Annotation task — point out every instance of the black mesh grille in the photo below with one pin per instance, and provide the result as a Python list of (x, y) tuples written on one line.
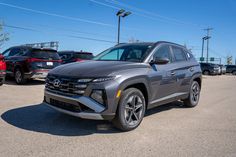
[(65, 106), (67, 85)]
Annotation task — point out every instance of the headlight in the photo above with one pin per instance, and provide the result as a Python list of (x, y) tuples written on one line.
[(105, 79), (84, 80)]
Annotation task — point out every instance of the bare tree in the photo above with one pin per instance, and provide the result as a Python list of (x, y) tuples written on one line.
[(3, 35)]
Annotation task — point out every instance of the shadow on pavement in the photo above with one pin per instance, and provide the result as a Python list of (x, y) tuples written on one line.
[(11, 81), (41, 118)]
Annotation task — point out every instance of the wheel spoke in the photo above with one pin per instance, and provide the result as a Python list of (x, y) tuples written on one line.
[(128, 107), (135, 115), (130, 117), (134, 100), (138, 106)]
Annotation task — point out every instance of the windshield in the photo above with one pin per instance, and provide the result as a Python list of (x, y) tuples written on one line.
[(131, 53)]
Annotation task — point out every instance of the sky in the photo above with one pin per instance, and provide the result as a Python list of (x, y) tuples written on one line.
[(91, 25)]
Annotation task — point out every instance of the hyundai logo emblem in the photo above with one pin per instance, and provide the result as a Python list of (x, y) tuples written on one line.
[(56, 83)]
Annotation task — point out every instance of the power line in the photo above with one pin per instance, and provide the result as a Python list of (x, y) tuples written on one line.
[(142, 12), (66, 35), (55, 15)]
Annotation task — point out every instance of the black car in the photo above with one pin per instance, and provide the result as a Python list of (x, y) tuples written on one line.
[(74, 56), (121, 83), (231, 69), (210, 69), (24, 62)]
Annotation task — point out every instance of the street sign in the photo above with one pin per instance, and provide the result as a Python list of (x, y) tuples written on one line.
[(202, 59)]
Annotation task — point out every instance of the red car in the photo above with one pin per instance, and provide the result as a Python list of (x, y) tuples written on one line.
[(2, 69)]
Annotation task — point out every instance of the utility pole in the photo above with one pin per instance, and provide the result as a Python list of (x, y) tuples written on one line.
[(208, 37)]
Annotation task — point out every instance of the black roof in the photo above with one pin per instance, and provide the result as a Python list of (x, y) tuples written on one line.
[(151, 43), (71, 51)]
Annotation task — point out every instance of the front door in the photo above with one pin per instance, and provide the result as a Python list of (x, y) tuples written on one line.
[(163, 77)]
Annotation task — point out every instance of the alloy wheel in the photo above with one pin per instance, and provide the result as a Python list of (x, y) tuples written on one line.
[(134, 109), (195, 93), (18, 76)]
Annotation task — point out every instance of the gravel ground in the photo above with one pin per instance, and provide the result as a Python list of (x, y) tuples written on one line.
[(28, 128)]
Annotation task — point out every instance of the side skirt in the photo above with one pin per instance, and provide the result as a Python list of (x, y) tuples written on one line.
[(167, 99)]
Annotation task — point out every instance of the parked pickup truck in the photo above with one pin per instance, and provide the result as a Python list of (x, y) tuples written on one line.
[(121, 83)]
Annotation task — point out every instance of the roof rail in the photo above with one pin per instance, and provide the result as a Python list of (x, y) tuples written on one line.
[(50, 45)]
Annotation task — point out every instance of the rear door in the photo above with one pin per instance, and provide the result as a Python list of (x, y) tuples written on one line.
[(44, 59), (183, 70)]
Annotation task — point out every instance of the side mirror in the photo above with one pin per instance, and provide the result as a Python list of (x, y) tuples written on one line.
[(1, 57), (160, 60)]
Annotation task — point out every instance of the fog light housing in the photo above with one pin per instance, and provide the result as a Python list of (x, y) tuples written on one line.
[(98, 96)]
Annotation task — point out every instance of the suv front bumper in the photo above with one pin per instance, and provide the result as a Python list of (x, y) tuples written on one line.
[(93, 110), (40, 74)]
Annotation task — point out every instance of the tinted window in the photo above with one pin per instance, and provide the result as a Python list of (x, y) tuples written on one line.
[(163, 52), (66, 56), (178, 54), (14, 52), (84, 55), (45, 54)]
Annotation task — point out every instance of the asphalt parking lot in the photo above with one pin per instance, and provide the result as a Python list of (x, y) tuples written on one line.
[(28, 128)]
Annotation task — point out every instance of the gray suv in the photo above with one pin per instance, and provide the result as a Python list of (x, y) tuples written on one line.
[(122, 82)]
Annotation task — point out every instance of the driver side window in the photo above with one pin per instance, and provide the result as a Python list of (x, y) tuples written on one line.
[(163, 52)]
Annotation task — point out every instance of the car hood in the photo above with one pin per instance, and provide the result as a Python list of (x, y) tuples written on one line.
[(94, 68)]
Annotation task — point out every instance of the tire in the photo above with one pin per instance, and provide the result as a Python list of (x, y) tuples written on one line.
[(19, 77), (1, 83), (131, 110), (206, 73), (194, 95), (234, 72)]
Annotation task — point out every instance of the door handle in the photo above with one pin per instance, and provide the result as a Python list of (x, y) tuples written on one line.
[(191, 69), (172, 73)]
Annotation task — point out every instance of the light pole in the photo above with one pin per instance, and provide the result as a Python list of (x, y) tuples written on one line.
[(121, 13)]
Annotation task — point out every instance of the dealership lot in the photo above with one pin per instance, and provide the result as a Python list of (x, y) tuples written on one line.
[(29, 128)]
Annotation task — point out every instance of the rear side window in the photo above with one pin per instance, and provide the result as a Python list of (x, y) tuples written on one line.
[(66, 56), (45, 54), (84, 55), (179, 54)]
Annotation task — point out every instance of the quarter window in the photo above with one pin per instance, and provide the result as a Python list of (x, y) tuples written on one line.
[(178, 54)]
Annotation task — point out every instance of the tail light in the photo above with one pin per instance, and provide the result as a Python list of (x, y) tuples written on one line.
[(30, 60), (78, 60)]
